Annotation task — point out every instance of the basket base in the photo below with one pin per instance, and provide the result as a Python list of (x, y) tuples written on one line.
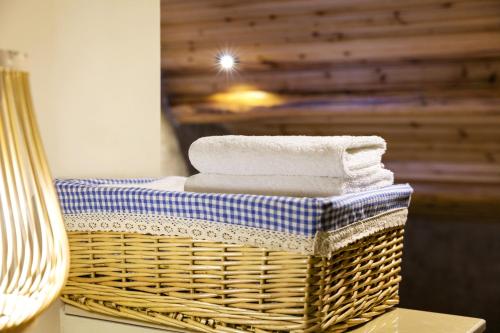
[(179, 322)]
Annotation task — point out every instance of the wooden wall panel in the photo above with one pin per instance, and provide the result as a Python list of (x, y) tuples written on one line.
[(424, 74), (373, 77), (449, 46)]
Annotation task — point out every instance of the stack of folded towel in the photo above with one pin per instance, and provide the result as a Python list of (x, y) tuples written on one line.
[(299, 166)]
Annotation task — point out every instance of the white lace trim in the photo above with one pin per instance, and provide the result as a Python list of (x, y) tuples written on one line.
[(322, 243), (328, 242)]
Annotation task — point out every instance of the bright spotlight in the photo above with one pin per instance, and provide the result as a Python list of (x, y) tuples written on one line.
[(226, 61)]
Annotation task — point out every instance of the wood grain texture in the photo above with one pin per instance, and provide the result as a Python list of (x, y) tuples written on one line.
[(423, 74)]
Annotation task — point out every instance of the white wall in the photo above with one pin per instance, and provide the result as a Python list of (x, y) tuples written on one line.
[(95, 73)]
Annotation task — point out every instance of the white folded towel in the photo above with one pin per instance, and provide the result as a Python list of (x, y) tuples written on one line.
[(334, 156), (295, 186)]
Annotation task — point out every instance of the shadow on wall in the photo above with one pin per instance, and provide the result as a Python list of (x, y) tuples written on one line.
[(173, 162), (452, 267), (186, 134)]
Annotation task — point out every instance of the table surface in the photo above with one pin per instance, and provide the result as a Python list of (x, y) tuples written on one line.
[(411, 321), (396, 321)]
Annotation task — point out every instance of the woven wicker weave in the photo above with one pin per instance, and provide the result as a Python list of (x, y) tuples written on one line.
[(215, 287)]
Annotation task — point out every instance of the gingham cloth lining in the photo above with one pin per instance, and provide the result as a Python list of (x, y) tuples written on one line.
[(303, 216)]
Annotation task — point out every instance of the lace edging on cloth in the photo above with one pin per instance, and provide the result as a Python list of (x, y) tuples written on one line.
[(328, 242), (322, 244)]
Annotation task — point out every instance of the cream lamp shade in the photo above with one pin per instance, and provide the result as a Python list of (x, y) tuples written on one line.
[(34, 248)]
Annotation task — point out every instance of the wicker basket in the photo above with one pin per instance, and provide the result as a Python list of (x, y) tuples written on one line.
[(216, 287)]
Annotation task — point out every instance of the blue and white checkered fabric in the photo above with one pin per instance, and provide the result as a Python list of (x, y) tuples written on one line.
[(303, 216)]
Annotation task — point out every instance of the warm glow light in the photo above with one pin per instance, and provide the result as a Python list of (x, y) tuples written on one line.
[(239, 98), (226, 61)]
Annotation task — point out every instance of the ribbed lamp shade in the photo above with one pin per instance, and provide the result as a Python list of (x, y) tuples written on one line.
[(33, 243)]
